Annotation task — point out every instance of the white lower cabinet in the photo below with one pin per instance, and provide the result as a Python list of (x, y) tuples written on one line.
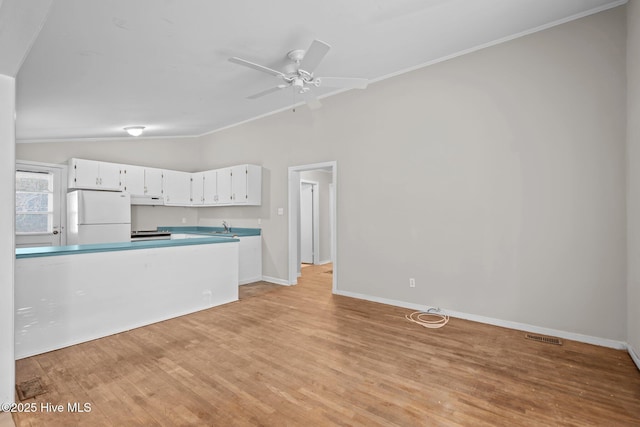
[(250, 260), (249, 257)]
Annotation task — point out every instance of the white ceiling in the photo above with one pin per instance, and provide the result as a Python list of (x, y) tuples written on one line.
[(100, 65)]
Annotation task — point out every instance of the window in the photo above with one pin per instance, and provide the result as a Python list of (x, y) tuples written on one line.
[(34, 202)]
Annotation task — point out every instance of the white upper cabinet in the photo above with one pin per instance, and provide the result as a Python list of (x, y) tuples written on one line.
[(235, 185), (246, 185), (133, 179), (224, 186), (197, 188), (144, 184), (210, 187), (239, 184), (177, 188), (153, 182), (93, 175)]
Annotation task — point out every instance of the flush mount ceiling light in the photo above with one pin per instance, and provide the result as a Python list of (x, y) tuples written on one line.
[(134, 130)]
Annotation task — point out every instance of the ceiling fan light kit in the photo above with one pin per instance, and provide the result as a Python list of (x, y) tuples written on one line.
[(299, 73)]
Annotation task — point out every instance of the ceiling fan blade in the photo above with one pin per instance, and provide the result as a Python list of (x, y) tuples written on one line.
[(343, 82), (258, 67), (314, 56), (266, 92)]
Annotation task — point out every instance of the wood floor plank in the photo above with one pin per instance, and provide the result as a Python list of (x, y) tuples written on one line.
[(300, 356)]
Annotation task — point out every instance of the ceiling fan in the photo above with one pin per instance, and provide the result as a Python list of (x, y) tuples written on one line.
[(299, 74)]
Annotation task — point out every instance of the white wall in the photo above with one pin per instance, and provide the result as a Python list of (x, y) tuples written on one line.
[(7, 223), (503, 172), (169, 153), (633, 177), (20, 23)]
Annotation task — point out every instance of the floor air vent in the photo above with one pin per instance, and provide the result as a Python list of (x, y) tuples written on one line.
[(30, 388), (540, 338)]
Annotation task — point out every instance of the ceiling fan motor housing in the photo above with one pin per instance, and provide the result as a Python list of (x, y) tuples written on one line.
[(296, 55)]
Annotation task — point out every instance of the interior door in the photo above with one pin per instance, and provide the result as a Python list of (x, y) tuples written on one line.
[(40, 205), (306, 223)]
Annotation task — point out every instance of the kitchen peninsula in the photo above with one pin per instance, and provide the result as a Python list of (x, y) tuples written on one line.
[(71, 294)]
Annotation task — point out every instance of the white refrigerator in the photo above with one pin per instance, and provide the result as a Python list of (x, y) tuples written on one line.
[(98, 217)]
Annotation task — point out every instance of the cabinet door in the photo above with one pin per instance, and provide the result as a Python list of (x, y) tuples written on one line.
[(254, 185), (210, 187), (109, 176), (84, 174), (197, 188), (93, 175), (133, 179), (177, 188), (224, 186), (250, 259), (239, 184), (153, 182)]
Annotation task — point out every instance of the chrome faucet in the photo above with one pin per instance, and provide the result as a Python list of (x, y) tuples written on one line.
[(226, 227)]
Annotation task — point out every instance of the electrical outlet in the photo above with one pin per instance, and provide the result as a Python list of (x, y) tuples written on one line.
[(412, 282)]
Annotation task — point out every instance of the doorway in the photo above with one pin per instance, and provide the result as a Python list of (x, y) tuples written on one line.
[(40, 204), (323, 232), (309, 222)]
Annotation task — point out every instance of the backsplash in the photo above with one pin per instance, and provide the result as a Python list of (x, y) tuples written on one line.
[(150, 217)]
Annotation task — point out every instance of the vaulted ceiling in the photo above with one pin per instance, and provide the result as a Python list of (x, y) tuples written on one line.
[(98, 66)]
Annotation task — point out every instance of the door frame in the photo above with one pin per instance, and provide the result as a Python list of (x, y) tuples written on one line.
[(62, 190), (294, 207), (315, 219)]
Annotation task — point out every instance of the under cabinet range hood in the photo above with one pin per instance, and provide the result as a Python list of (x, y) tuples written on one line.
[(147, 200)]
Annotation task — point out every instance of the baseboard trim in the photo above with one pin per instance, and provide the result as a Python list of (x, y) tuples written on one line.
[(634, 355), (276, 281), (327, 261), (250, 280), (603, 342)]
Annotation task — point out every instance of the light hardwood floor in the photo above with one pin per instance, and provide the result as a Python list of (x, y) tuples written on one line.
[(300, 356)]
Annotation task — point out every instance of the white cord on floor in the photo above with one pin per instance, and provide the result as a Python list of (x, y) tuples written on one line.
[(420, 317)]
